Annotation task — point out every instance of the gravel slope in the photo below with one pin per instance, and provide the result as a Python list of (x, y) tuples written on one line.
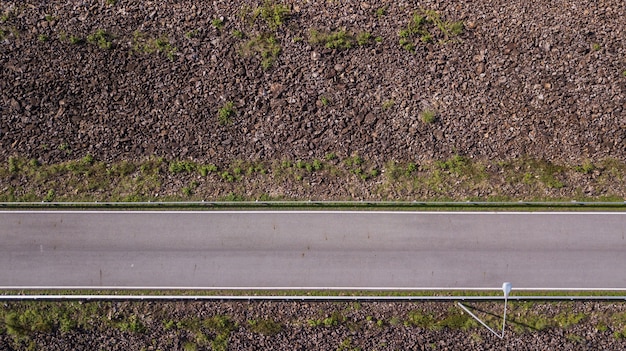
[(351, 326), (542, 79)]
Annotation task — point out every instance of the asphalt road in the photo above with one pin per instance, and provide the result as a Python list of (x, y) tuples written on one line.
[(312, 249)]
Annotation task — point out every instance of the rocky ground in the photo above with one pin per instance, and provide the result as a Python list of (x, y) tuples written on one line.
[(232, 82), (322, 326), (544, 79)]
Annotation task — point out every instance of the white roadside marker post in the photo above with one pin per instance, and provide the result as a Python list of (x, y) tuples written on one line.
[(506, 289)]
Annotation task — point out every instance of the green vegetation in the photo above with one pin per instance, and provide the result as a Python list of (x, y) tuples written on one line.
[(340, 40), (388, 104), (274, 15), (130, 324), (226, 113), (238, 34), (42, 38), (381, 11), (363, 38), (457, 178), (22, 321), (427, 25), (428, 116), (333, 320), (192, 34), (264, 45), (218, 23), (324, 100), (162, 45), (263, 22), (265, 326), (74, 40), (100, 38)]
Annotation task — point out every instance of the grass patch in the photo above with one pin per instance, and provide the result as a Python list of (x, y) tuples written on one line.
[(340, 40), (226, 113), (427, 26), (265, 46), (428, 116), (457, 178), (161, 45), (100, 38), (265, 326), (273, 13)]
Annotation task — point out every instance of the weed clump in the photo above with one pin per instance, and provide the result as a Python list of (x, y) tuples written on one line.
[(427, 25), (162, 45), (100, 38), (340, 39), (266, 46), (428, 116), (226, 113)]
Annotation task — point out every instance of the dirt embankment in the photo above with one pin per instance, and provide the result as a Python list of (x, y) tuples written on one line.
[(128, 79)]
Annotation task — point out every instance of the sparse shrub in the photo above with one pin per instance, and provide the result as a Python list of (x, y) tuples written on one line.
[(363, 38), (226, 113), (238, 34), (388, 104), (340, 40), (422, 27), (324, 100), (42, 38), (410, 168), (182, 166), (272, 13), (206, 169), (381, 11), (49, 196), (100, 38), (75, 40), (428, 116), (191, 34), (217, 23), (587, 167), (330, 156), (132, 324), (13, 165), (161, 45), (266, 46)]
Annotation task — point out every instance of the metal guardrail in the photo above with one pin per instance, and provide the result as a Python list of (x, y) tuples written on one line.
[(71, 297), (312, 204)]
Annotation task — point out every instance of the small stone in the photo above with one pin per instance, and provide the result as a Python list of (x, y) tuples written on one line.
[(480, 68)]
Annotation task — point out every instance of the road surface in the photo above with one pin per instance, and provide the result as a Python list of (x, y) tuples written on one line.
[(315, 249)]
